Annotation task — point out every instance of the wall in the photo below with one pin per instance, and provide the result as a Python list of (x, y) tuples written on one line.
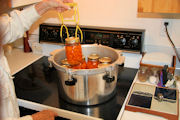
[(123, 14)]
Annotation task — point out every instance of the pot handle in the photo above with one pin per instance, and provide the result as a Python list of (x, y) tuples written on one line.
[(121, 60), (71, 81), (108, 78), (50, 59)]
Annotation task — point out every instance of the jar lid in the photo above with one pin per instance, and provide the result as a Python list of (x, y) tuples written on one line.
[(102, 65), (93, 56), (66, 66), (64, 62), (72, 40), (105, 60), (143, 68)]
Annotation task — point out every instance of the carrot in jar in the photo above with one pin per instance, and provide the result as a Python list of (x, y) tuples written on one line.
[(82, 65), (73, 51)]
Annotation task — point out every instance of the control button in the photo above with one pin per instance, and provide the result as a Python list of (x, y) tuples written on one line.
[(123, 41), (134, 43)]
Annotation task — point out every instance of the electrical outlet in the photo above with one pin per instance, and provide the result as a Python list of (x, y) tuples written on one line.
[(163, 29), (166, 23)]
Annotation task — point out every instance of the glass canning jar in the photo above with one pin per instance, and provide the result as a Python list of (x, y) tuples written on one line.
[(73, 51), (93, 61), (142, 74), (104, 61)]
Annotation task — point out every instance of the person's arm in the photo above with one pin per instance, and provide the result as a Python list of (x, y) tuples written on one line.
[(57, 5), (13, 27)]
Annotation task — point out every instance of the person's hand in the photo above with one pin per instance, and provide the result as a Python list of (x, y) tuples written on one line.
[(46, 5), (44, 115), (58, 4)]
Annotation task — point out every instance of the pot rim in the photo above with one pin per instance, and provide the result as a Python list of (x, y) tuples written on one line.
[(118, 61)]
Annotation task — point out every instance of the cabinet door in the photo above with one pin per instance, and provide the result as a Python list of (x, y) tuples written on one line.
[(159, 6)]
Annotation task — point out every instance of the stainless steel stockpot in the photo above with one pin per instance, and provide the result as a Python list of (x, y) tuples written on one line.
[(87, 86)]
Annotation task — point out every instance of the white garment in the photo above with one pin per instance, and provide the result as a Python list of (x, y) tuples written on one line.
[(12, 28)]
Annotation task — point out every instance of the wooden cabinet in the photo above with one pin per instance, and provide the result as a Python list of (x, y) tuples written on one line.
[(159, 6)]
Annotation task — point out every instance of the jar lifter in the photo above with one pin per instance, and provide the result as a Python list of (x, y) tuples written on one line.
[(76, 20)]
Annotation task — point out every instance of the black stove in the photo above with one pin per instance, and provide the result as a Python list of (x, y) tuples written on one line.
[(38, 83)]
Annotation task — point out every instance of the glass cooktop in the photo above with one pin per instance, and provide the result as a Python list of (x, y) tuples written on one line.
[(38, 83)]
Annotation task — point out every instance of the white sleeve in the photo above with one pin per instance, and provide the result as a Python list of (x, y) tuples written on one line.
[(27, 117), (13, 27)]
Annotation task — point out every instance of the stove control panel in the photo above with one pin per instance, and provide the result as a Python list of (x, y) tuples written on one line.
[(126, 39)]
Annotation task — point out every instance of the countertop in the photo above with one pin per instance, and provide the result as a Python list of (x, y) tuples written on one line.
[(18, 60)]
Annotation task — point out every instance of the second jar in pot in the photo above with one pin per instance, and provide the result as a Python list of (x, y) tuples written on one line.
[(93, 61)]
